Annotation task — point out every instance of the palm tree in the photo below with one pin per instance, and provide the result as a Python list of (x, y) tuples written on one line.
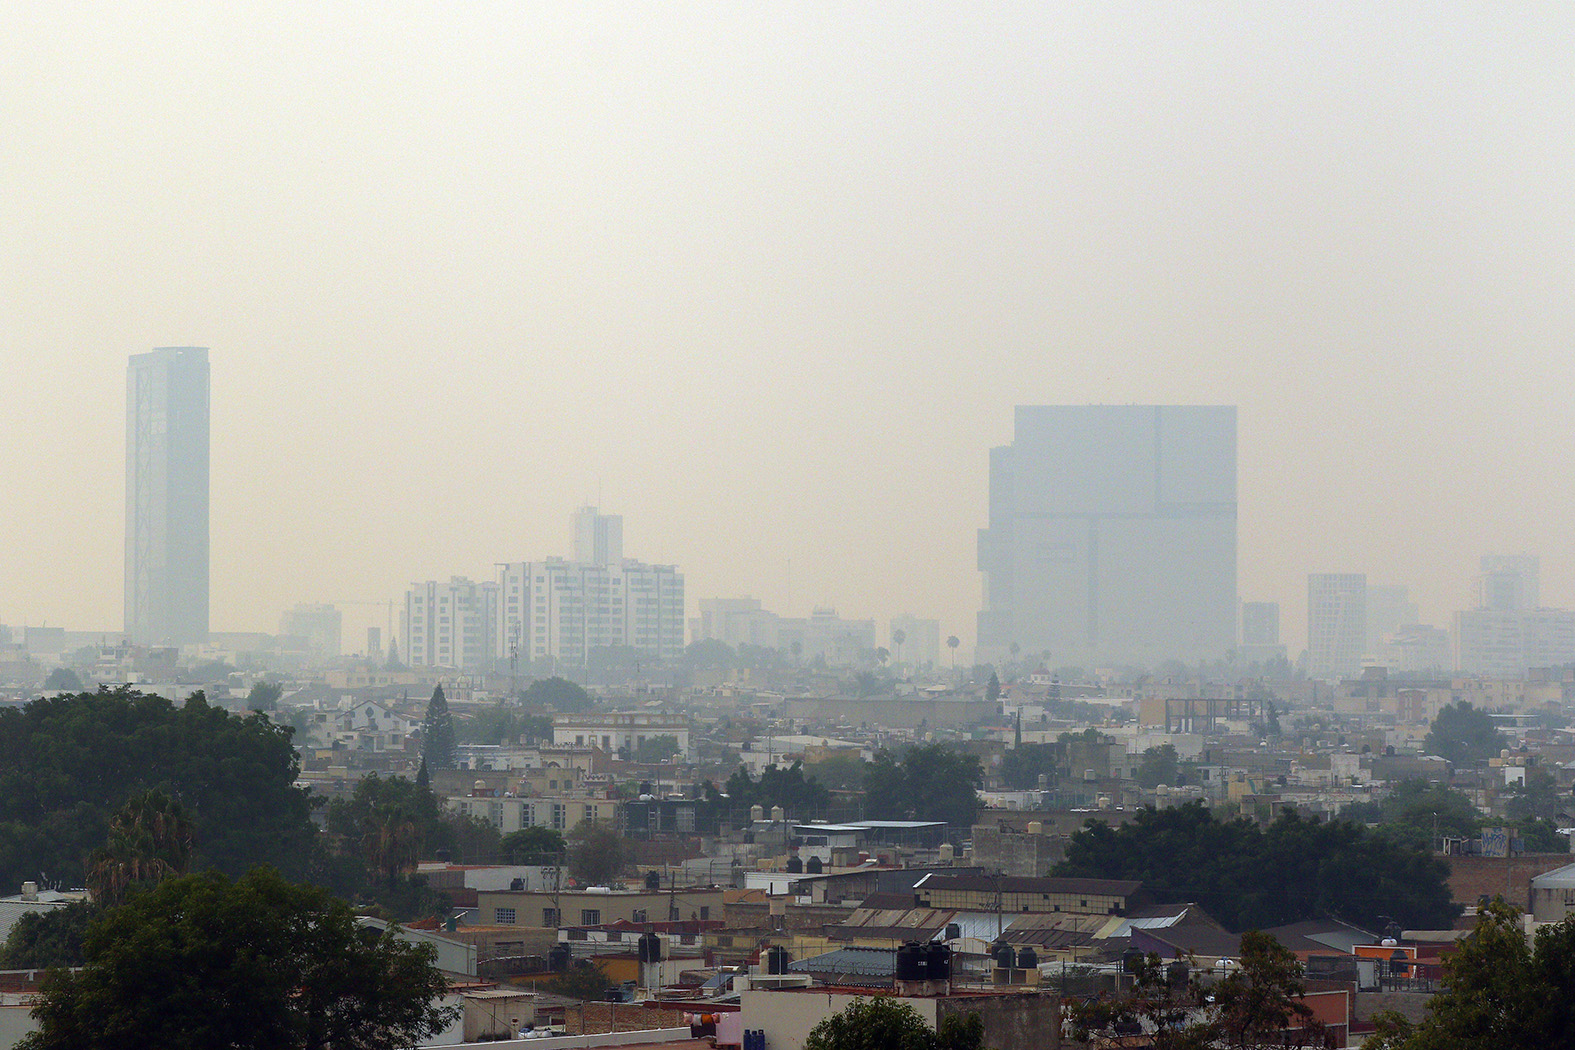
[(391, 841), (897, 638), (150, 838), (952, 642)]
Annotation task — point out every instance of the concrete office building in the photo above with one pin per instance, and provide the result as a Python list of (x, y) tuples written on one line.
[(1336, 623), (317, 625), (1112, 535), (598, 537), (166, 584), (1508, 633), (1260, 633)]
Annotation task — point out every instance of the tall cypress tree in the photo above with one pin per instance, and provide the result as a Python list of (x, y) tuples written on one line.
[(438, 750)]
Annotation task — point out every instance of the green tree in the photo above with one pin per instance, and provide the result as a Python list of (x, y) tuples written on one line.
[(583, 980), (533, 846), (1250, 877), (1257, 1004), (1498, 991), (1021, 767), (201, 961), (838, 771), (596, 852), (992, 688), (68, 763), (709, 653), (264, 696), (438, 747), (656, 748), (879, 1023), (930, 782), (800, 796), (150, 838), (1159, 766), (63, 680), (42, 940), (1536, 799), (1416, 812), (1462, 735), (558, 694)]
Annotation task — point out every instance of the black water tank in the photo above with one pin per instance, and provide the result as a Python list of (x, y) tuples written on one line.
[(558, 958), (1176, 974), (776, 959), (940, 958), (650, 948), (912, 964), (1002, 953), (1130, 960), (1027, 959), (516, 884), (795, 866), (653, 880), (814, 867)]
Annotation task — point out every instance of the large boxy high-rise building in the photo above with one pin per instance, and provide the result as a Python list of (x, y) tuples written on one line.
[(167, 496), (1112, 535)]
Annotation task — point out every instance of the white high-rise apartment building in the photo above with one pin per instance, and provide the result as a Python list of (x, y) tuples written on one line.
[(452, 624), (564, 609), (1336, 623)]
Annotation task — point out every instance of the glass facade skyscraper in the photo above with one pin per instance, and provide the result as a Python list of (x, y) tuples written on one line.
[(167, 496), (1112, 536)]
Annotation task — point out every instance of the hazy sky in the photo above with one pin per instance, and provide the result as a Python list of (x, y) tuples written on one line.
[(769, 278)]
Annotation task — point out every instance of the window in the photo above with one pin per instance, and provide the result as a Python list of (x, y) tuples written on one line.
[(590, 917), (503, 916), (705, 911), (549, 916)]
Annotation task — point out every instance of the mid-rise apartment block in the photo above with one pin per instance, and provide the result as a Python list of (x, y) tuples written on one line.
[(452, 624), (566, 609)]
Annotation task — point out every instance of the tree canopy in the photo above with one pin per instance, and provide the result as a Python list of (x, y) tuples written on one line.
[(884, 1023), (559, 694), (1498, 991), (1022, 766), (1463, 735), (929, 782), (800, 796), (1257, 1004), (532, 845), (201, 961), (1250, 877), (40, 940), (1159, 766), (596, 853), (68, 762)]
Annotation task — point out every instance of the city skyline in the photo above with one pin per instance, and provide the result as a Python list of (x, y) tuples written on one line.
[(769, 285)]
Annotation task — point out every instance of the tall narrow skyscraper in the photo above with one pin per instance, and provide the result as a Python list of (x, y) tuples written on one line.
[(167, 496)]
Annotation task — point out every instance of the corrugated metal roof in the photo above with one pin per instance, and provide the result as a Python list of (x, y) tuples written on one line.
[(1557, 879), (1017, 884)]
